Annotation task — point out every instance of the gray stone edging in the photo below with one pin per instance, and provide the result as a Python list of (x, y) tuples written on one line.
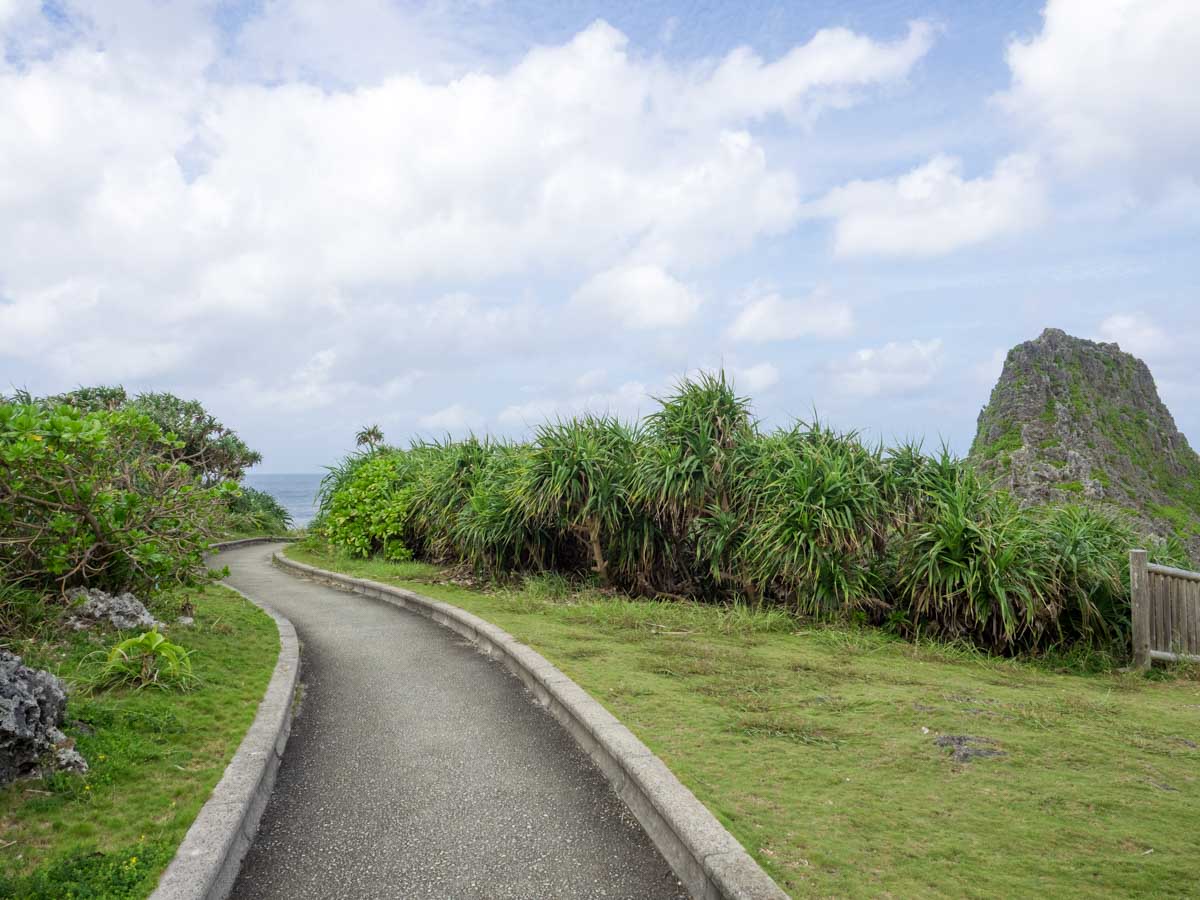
[(207, 862), (246, 542), (708, 859)]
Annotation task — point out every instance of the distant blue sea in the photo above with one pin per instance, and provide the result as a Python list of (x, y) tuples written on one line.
[(297, 493)]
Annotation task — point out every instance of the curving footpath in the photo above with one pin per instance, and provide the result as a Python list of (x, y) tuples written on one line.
[(418, 768)]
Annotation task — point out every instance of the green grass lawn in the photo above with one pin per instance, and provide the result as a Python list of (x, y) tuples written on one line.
[(815, 746), (154, 757)]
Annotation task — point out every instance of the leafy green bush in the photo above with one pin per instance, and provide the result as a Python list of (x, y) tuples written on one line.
[(367, 513), (147, 660), (212, 451), (99, 499)]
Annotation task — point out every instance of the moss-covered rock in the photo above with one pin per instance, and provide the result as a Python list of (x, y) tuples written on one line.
[(1072, 417)]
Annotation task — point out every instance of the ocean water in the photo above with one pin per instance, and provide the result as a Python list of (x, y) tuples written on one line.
[(297, 493)]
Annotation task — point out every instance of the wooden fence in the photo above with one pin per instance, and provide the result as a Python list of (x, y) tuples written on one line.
[(1166, 612)]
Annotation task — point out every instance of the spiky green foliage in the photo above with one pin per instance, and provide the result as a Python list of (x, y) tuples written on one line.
[(493, 528), (147, 660), (369, 436), (252, 510), (972, 565), (818, 523), (686, 479), (576, 481), (699, 502)]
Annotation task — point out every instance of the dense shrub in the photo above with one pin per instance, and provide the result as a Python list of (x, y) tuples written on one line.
[(700, 502), (367, 512), (98, 499), (212, 451), (252, 510), (970, 564), (575, 482), (816, 520)]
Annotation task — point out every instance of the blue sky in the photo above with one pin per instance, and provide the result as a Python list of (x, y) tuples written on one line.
[(473, 215)]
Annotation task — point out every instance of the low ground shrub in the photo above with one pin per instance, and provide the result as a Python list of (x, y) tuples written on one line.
[(147, 660)]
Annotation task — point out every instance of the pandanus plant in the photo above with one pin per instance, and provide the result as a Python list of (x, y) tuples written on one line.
[(370, 437), (686, 479), (576, 479)]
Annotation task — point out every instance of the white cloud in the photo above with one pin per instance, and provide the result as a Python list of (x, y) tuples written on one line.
[(1138, 335), (185, 204), (987, 371), (639, 296), (829, 71), (771, 317), (452, 419), (591, 379), (208, 204), (1111, 82), (628, 401), (933, 210), (311, 386), (352, 41), (756, 378), (10, 9), (894, 368)]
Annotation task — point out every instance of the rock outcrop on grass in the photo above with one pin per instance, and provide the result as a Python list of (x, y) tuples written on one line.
[(123, 612), (1073, 420), (32, 703)]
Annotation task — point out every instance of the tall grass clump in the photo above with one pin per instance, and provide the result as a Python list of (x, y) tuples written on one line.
[(700, 503)]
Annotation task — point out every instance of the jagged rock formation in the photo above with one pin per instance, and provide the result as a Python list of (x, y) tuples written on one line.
[(32, 703), (1072, 419), (123, 611)]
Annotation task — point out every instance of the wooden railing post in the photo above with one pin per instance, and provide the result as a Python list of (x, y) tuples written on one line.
[(1139, 591)]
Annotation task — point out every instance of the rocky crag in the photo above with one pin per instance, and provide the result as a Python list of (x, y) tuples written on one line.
[(1073, 420)]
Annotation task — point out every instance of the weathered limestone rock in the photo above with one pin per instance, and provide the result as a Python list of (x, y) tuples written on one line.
[(32, 703), (123, 611), (1073, 420)]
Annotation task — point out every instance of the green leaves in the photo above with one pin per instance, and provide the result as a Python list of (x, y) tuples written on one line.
[(255, 510), (97, 498), (699, 502), (148, 660)]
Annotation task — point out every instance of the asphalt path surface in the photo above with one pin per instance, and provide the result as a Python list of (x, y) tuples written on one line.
[(418, 768)]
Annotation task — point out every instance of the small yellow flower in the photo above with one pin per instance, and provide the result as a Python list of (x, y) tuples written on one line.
[(133, 860), (103, 757), (35, 437), (87, 787)]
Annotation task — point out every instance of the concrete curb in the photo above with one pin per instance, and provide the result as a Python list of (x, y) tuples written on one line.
[(708, 860), (246, 542), (207, 862)]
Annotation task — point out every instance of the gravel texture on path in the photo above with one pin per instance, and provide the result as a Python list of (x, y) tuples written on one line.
[(418, 768)]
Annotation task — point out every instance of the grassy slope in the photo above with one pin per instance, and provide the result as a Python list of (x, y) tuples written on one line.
[(811, 746), (154, 759)]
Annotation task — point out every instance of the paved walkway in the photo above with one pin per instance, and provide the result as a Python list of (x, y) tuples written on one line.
[(418, 768)]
